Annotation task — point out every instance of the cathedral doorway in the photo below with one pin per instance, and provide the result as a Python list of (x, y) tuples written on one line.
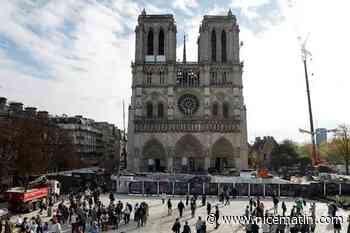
[(154, 156), (189, 151), (221, 153)]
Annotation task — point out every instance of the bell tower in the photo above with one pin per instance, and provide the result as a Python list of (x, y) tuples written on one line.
[(155, 38), (218, 40)]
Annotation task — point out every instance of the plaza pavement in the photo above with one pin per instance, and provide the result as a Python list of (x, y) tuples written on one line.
[(159, 221)]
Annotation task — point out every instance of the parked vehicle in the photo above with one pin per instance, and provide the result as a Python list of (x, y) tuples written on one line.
[(29, 198)]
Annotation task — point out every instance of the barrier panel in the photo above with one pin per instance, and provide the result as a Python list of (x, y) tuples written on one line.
[(196, 188), (287, 190), (271, 189), (345, 189), (135, 187), (312, 190), (256, 190), (332, 189), (181, 188), (211, 189), (304, 190), (225, 187), (151, 187), (242, 189), (316, 190), (165, 187)]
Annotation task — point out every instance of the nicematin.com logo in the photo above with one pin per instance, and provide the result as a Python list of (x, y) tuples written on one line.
[(287, 220)]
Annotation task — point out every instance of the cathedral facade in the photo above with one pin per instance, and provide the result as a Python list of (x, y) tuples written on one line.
[(187, 117)]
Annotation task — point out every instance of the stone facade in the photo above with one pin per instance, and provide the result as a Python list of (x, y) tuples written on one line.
[(187, 116)]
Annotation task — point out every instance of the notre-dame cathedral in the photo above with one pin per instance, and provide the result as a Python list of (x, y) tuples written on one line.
[(187, 117)]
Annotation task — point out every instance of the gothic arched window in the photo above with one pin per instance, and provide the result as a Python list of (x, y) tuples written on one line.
[(223, 46), (161, 42), (215, 109), (225, 110), (213, 45), (149, 109), (160, 110), (150, 42)]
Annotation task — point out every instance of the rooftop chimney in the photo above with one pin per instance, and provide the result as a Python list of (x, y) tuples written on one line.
[(16, 107), (30, 111), (43, 115)]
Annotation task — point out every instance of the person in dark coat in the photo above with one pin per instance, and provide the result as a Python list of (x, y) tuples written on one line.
[(217, 216), (181, 208), (204, 199), (208, 208), (187, 228), (176, 227)]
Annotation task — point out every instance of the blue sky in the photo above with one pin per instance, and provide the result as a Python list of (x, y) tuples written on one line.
[(74, 56)]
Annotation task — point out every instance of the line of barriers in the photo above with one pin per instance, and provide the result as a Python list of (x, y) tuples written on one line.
[(240, 189)]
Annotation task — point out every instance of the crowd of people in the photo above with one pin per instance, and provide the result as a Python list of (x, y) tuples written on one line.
[(86, 213)]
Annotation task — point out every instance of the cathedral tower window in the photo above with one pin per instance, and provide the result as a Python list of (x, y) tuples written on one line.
[(224, 77), (161, 42), (225, 110), (160, 110), (149, 78), (213, 46), (223, 46), (213, 77), (161, 77), (215, 109), (150, 42), (149, 109)]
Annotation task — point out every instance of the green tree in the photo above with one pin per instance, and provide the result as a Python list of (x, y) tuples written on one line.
[(284, 155), (342, 144)]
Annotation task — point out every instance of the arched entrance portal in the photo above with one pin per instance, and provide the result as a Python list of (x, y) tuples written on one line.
[(221, 155), (154, 159), (188, 155)]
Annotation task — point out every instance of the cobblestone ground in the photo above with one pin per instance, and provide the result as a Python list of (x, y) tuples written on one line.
[(159, 221)]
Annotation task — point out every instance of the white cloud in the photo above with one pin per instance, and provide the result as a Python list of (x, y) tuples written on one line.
[(248, 7), (185, 5)]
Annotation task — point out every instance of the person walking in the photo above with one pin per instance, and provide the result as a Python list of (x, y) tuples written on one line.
[(204, 199), (284, 208), (208, 208), (163, 198), (193, 208), (187, 199), (337, 225), (199, 225), (217, 216), (275, 204), (187, 228), (169, 206), (176, 227), (181, 208)]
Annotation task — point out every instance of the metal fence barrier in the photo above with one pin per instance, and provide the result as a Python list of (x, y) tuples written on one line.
[(240, 189)]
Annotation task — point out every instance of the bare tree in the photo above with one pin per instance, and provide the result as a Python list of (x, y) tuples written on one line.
[(30, 146)]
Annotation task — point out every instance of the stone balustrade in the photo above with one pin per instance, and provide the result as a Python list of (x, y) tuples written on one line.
[(190, 125)]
